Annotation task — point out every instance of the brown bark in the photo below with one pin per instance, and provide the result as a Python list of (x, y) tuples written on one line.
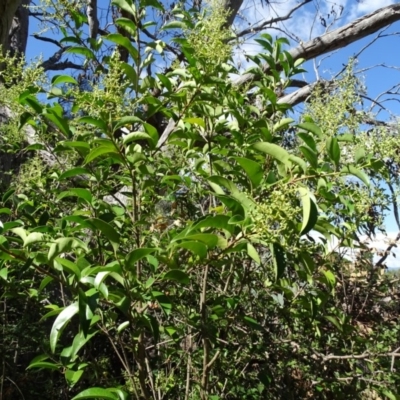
[(18, 34), (8, 8)]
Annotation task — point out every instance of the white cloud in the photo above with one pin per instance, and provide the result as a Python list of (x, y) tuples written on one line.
[(378, 245), (363, 7)]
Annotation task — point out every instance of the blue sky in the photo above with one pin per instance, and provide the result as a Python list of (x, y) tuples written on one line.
[(304, 24)]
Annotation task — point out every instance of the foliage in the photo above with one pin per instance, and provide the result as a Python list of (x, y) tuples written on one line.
[(190, 267)]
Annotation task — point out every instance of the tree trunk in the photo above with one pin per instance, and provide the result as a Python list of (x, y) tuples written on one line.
[(8, 9), (18, 34), (14, 25)]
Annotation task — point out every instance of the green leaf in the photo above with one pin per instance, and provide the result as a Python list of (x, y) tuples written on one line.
[(208, 239), (125, 5), (124, 42), (177, 275), (79, 341), (63, 79), (174, 25), (4, 273), (33, 237), (74, 172), (32, 102), (389, 394), (195, 121), (252, 252), (333, 149), (282, 124), (300, 162), (334, 321), (308, 262), (83, 51), (98, 123), (61, 321), (310, 212), (216, 221), (70, 39), (59, 122), (100, 151), (21, 232), (221, 181), (69, 266), (79, 145), (130, 73), (106, 229), (83, 194), (310, 155), (72, 377), (44, 364), (253, 170), (350, 169), (64, 245), (197, 248), (95, 393), (359, 154), (128, 25), (129, 120), (252, 322), (308, 140), (133, 136), (278, 257), (311, 127), (330, 277), (274, 151), (135, 255)]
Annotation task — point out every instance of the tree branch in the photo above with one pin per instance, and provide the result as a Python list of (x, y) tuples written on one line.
[(338, 38), (271, 21)]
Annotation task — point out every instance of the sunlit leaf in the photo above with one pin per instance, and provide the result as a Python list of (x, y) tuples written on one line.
[(310, 212), (61, 321), (275, 151), (96, 393)]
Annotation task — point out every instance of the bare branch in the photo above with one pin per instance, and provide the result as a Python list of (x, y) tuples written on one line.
[(271, 21), (46, 39), (93, 22)]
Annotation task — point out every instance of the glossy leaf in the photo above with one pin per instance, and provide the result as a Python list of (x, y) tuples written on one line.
[(96, 393), (275, 151), (177, 275), (106, 229), (278, 257), (312, 128), (124, 42), (32, 238), (63, 79), (83, 51), (61, 321), (333, 149), (81, 193), (197, 248), (253, 170), (252, 252), (100, 151), (135, 255), (310, 212), (351, 170)]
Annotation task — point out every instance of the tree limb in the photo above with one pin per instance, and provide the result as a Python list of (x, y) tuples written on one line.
[(271, 21)]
